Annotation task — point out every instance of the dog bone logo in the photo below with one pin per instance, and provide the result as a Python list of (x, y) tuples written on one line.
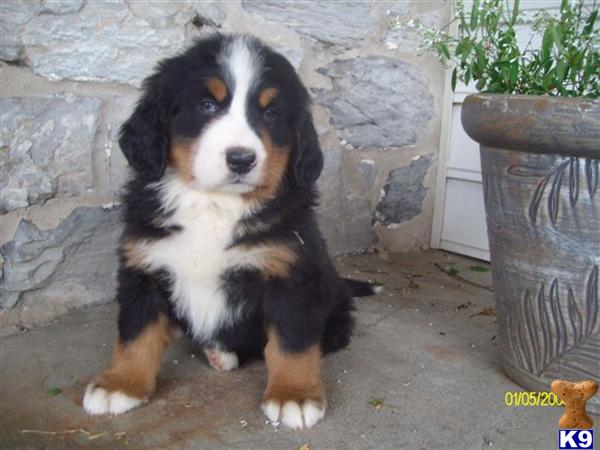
[(574, 395)]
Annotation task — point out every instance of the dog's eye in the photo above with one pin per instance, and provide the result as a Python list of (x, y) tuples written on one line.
[(208, 106), (270, 114)]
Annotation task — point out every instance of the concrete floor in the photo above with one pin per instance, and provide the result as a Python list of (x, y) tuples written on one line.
[(421, 373)]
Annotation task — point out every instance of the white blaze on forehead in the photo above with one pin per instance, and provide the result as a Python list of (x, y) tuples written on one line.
[(241, 61), (242, 64)]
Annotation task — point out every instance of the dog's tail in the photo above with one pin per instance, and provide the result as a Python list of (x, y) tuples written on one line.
[(362, 288)]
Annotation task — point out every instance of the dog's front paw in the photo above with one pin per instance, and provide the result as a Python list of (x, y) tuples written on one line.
[(97, 400), (294, 413), (116, 391)]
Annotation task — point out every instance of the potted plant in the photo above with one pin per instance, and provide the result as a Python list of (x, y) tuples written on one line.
[(537, 120)]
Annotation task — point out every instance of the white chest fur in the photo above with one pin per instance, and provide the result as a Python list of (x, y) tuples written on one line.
[(196, 257)]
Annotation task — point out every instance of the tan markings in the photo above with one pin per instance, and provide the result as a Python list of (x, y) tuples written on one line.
[(181, 158), (278, 260), (255, 227), (134, 255), (273, 170), (135, 364), (273, 260), (217, 88), (267, 96), (292, 376)]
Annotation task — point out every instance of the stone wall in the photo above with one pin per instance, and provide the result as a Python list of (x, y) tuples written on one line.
[(70, 75)]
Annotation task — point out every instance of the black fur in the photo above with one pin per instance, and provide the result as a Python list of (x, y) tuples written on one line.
[(360, 288), (307, 158), (313, 305), (144, 138)]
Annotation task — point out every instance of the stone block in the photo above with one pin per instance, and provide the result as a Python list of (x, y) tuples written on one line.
[(342, 23), (47, 145), (377, 102), (105, 41), (78, 257), (344, 216), (403, 193), (15, 14)]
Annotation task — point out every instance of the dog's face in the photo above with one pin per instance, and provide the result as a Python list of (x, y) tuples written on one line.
[(228, 115)]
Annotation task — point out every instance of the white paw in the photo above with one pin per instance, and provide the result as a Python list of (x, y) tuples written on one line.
[(220, 360), (97, 400), (293, 414)]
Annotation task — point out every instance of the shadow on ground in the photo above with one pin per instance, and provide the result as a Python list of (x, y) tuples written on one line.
[(421, 372)]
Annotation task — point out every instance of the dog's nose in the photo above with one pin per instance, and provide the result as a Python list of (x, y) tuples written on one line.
[(240, 160)]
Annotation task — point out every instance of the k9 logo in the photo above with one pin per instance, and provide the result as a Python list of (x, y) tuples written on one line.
[(569, 439)]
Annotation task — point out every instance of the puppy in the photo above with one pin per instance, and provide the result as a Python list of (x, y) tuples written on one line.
[(220, 237)]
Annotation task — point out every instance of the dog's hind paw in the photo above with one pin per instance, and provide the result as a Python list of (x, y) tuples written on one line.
[(221, 360)]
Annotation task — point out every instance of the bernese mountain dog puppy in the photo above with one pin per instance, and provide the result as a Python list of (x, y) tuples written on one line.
[(220, 237)]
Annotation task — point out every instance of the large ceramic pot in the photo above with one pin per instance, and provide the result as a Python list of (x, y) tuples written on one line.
[(540, 159)]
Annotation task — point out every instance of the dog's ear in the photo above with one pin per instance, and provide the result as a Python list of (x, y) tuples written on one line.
[(307, 157), (144, 137)]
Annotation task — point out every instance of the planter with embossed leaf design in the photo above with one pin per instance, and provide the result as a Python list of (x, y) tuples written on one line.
[(540, 160)]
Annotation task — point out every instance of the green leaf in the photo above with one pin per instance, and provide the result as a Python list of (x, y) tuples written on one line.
[(506, 78), (466, 51), (474, 14), (377, 403), (453, 80), (463, 23), (444, 50), (546, 45), (495, 87), (557, 36), (549, 80), (578, 59), (589, 23), (480, 84), (479, 269), (589, 67), (452, 270), (515, 13), (561, 70), (481, 58), (514, 73), (53, 392)]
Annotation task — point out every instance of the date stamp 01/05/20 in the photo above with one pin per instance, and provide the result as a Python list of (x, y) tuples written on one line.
[(524, 398)]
